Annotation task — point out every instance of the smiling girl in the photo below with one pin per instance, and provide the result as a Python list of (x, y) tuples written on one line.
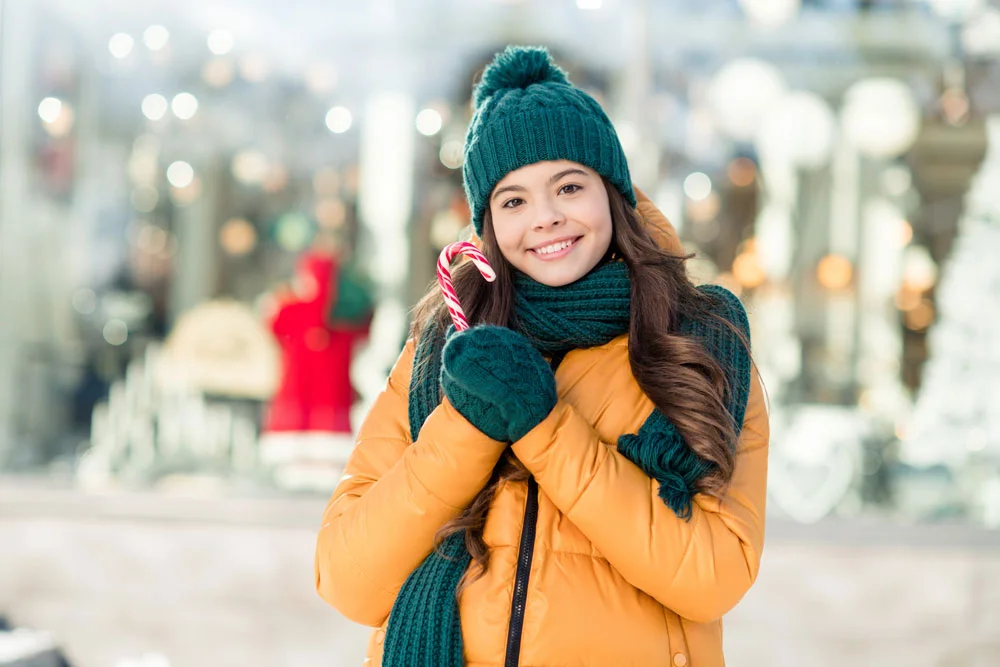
[(579, 478)]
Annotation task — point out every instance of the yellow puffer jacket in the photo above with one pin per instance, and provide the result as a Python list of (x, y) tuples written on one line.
[(615, 577)]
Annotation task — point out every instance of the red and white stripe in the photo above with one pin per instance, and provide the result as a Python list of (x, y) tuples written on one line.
[(444, 277)]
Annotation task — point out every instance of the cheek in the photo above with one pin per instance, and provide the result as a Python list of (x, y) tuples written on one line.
[(596, 210), (602, 227), (508, 238)]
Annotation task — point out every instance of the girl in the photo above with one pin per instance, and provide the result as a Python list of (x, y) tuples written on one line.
[(579, 478)]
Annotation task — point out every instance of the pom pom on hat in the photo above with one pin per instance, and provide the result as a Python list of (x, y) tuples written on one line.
[(518, 67)]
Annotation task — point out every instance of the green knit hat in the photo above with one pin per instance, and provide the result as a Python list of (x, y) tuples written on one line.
[(527, 111)]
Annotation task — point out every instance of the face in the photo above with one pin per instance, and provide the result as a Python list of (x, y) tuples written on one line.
[(552, 220)]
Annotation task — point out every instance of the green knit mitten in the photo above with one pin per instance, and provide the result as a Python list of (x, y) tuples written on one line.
[(498, 381)]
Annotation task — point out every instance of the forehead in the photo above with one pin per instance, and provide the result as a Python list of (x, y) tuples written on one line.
[(541, 172)]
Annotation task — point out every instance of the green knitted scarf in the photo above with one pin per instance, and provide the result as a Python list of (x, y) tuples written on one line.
[(424, 626)]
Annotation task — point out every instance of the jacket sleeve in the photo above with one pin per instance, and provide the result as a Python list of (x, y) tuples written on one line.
[(698, 568), (394, 496)]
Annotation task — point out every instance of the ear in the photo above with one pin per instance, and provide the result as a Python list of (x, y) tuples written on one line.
[(659, 227)]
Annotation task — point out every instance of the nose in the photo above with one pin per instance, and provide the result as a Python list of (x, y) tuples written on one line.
[(548, 215)]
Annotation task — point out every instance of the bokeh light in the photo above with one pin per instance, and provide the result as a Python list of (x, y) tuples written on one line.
[(180, 174), (834, 272), (220, 41), (697, 186), (120, 45), (880, 117), (338, 120), (184, 105), (429, 122), (451, 154), (155, 37), (238, 237), (154, 106), (115, 332)]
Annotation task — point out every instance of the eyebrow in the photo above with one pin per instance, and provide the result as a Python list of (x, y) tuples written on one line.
[(555, 177)]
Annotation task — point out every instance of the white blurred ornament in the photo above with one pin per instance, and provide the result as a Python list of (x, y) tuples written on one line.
[(880, 117), (770, 13), (798, 129), (740, 94)]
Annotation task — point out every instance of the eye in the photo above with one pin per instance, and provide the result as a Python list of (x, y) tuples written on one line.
[(569, 188), (513, 202)]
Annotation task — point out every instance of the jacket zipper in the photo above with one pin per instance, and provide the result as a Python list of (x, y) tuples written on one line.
[(525, 552), (524, 555)]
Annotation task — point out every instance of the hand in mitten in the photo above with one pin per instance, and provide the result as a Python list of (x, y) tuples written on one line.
[(498, 381)]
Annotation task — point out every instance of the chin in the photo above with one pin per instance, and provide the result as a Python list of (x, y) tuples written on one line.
[(557, 278)]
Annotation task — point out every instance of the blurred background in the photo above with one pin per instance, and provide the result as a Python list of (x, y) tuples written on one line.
[(215, 216)]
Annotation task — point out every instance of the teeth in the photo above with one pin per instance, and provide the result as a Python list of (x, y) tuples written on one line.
[(555, 247)]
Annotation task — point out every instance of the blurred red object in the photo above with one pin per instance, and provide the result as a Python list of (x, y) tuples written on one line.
[(315, 392)]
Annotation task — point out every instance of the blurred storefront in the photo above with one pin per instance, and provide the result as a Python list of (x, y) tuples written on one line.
[(164, 165)]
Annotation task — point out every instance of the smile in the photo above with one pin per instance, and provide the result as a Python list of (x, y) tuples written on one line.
[(557, 249)]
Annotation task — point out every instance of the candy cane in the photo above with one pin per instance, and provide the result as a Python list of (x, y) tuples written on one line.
[(444, 277)]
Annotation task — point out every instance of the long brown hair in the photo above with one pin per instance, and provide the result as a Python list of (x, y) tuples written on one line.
[(675, 372)]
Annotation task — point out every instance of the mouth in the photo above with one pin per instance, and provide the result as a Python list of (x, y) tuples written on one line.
[(555, 249)]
